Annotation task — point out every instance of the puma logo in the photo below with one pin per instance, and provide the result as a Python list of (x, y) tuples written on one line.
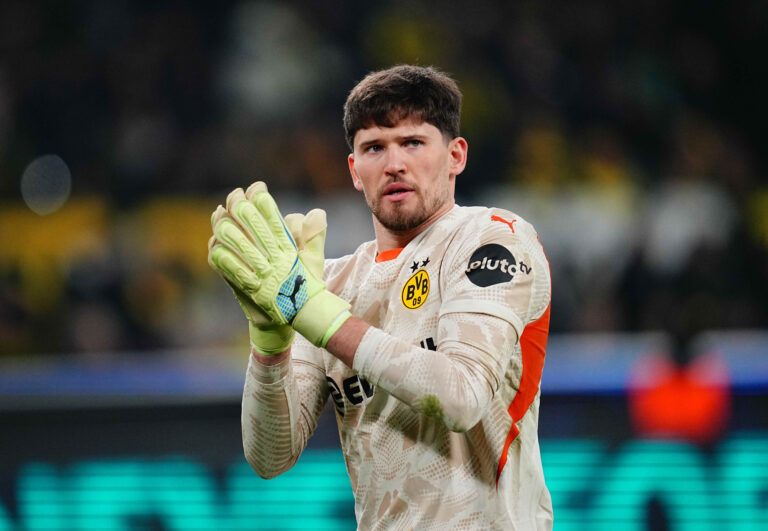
[(297, 282), (296, 287)]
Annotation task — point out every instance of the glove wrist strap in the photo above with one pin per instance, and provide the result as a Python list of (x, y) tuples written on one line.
[(340, 320), (320, 317), (271, 341)]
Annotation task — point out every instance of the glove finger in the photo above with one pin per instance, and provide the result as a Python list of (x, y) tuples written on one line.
[(234, 271), (255, 188), (257, 228), (235, 238), (218, 214), (236, 202), (315, 223), (313, 252), (295, 223), (269, 211), (234, 197), (212, 241)]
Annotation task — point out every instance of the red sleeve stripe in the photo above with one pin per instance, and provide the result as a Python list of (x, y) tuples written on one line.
[(533, 343)]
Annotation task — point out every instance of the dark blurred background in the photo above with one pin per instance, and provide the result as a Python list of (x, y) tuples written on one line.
[(629, 133)]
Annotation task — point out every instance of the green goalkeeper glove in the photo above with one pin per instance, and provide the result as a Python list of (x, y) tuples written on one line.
[(257, 255), (266, 336)]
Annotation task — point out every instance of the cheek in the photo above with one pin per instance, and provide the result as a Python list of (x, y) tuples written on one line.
[(365, 182), (436, 168)]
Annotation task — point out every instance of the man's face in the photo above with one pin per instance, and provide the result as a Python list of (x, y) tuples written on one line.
[(407, 172)]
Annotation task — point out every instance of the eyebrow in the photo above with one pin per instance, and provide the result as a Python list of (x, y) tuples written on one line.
[(399, 139)]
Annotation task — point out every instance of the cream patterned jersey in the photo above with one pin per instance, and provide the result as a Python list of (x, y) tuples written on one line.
[(438, 417)]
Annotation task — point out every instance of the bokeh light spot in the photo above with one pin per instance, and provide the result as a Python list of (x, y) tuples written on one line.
[(46, 184)]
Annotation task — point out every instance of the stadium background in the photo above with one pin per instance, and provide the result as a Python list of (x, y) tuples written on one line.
[(630, 134)]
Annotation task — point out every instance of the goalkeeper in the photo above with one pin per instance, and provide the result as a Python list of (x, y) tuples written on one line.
[(429, 340)]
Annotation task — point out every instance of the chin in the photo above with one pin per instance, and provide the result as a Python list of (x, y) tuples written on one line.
[(401, 221)]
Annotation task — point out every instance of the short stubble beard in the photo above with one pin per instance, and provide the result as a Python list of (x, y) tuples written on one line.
[(399, 220)]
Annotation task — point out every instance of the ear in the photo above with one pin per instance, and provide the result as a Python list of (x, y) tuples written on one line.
[(358, 184), (458, 149)]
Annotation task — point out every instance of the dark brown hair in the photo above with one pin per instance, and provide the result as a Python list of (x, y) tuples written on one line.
[(385, 97)]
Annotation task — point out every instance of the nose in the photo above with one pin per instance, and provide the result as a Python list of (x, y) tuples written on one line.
[(395, 163)]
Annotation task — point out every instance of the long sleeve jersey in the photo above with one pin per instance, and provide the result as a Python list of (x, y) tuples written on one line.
[(438, 416)]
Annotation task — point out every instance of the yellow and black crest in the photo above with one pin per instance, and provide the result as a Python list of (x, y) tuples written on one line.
[(416, 290)]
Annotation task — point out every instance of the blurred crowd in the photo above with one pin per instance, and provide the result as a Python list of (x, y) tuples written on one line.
[(627, 133)]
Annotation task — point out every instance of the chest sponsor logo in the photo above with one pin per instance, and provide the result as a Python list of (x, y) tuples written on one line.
[(491, 264), (428, 344), (354, 389), (416, 290)]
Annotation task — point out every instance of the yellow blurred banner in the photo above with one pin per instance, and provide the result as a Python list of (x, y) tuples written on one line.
[(38, 251)]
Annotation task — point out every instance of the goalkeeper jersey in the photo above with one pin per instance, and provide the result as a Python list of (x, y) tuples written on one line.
[(438, 416)]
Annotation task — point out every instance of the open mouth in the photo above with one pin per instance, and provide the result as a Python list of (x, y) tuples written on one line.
[(397, 191)]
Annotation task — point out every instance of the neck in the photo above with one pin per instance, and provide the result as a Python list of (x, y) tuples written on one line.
[(389, 239)]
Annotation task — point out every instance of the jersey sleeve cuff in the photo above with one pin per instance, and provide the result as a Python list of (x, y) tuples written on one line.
[(268, 374)]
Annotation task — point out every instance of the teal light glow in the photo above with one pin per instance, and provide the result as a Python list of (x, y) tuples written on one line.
[(122, 495), (568, 469), (593, 487), (675, 473), (744, 482)]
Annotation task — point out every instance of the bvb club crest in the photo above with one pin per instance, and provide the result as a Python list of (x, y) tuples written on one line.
[(416, 290)]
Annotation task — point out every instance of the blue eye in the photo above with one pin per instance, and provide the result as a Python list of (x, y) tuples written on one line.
[(375, 148)]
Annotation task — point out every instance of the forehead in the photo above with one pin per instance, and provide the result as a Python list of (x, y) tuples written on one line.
[(403, 128)]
